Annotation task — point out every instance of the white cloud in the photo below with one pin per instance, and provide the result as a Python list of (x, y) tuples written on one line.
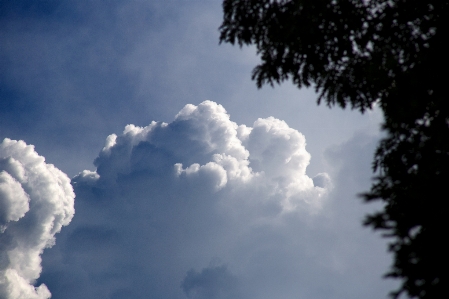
[(203, 146), (167, 199), (36, 200)]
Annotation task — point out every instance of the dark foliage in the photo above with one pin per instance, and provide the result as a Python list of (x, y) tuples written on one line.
[(358, 53)]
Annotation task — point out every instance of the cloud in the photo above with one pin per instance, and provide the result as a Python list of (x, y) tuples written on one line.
[(203, 148), (36, 200), (168, 198)]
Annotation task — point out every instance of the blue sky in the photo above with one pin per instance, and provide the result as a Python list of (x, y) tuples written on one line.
[(246, 193)]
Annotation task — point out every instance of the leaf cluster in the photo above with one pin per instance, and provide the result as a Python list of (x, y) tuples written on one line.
[(350, 50)]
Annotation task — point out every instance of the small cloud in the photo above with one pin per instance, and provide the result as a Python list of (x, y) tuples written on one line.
[(36, 200), (322, 180)]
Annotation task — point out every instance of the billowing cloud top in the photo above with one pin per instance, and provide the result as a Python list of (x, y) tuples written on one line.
[(186, 209), (36, 200), (203, 147)]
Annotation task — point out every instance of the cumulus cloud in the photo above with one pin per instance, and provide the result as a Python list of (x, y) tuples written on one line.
[(36, 200), (203, 146), (167, 199)]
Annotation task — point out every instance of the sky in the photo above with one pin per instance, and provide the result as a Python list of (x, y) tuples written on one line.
[(139, 160)]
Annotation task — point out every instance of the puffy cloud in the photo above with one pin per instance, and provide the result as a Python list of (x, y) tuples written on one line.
[(203, 146), (169, 198), (36, 200)]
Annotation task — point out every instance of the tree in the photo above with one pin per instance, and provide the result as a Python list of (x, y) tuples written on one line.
[(358, 53)]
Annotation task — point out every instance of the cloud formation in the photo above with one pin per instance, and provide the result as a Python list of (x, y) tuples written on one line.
[(36, 200), (203, 148), (169, 198)]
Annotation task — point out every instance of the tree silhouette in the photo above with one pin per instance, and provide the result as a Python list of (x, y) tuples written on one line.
[(357, 53)]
